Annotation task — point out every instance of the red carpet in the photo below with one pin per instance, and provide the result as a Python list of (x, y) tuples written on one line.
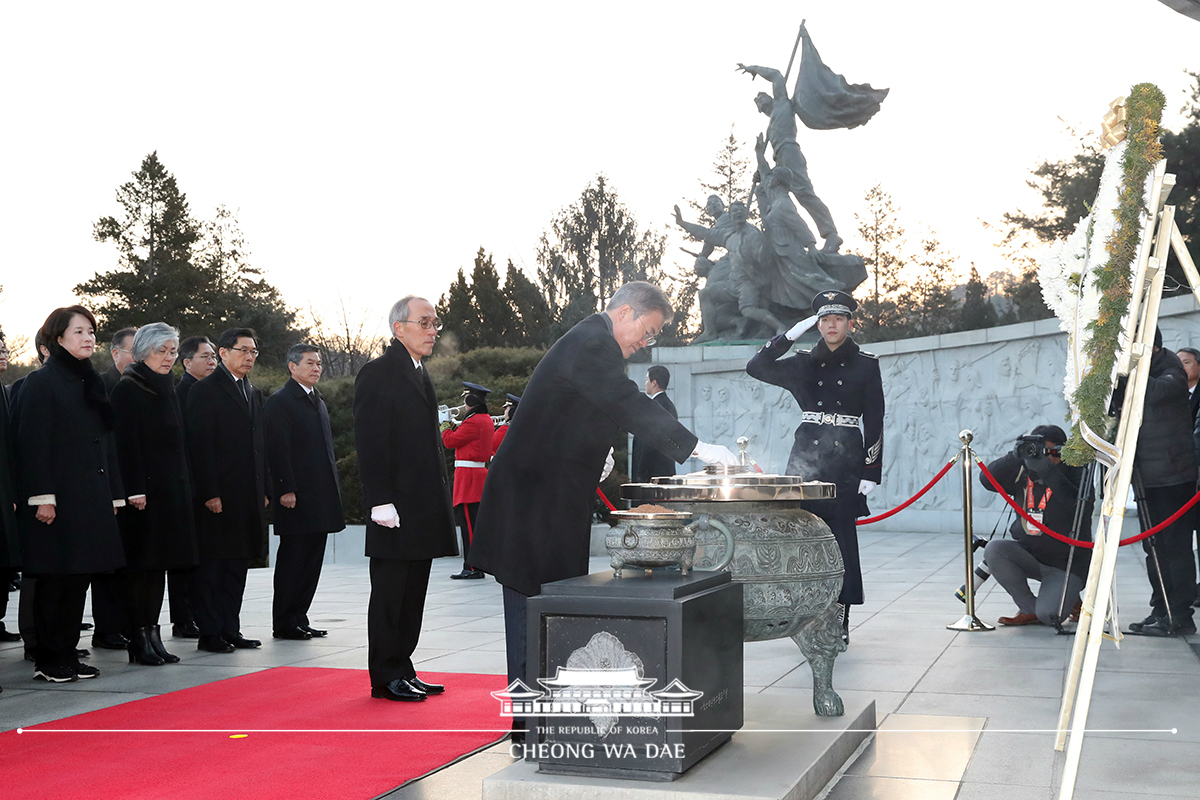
[(293, 748)]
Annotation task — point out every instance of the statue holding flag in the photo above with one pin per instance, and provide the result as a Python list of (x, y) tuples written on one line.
[(823, 100)]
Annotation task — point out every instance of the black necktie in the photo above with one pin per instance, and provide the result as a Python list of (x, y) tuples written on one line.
[(244, 385)]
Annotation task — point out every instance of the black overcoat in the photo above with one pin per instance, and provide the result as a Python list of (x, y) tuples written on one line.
[(181, 391), (837, 385), (10, 547), (154, 462), (400, 459), (229, 461), (650, 463), (535, 517), (300, 454), (65, 449)]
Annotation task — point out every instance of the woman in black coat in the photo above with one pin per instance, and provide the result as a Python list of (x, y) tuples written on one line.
[(70, 487), (158, 531)]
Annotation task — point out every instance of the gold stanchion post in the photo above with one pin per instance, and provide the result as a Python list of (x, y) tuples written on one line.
[(970, 622)]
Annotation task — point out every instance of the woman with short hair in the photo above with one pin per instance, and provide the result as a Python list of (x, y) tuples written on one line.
[(158, 531), (71, 488)]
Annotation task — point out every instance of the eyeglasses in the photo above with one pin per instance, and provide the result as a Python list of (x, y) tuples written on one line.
[(165, 351), (207, 357), (426, 323), (649, 338), (250, 351)]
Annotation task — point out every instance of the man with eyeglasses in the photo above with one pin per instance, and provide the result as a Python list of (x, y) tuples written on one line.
[(122, 357), (199, 359), (225, 440), (535, 516), (407, 492)]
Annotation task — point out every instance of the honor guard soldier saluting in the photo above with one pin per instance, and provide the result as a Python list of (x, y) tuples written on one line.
[(840, 393), (471, 441)]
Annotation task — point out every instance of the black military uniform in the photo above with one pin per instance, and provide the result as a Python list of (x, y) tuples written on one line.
[(837, 391)]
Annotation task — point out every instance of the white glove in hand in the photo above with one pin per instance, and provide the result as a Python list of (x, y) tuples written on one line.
[(385, 516), (608, 465), (715, 454), (866, 487), (800, 327)]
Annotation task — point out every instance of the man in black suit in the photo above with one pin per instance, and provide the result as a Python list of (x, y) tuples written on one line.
[(225, 439), (122, 356), (647, 461), (535, 516), (107, 588), (407, 490), (199, 359), (304, 481)]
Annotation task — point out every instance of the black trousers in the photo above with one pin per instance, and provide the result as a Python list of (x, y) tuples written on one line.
[(57, 612), (107, 603), (181, 591), (220, 584), (840, 514), (25, 607), (516, 639), (394, 615), (464, 516), (143, 595), (297, 571), (1174, 550)]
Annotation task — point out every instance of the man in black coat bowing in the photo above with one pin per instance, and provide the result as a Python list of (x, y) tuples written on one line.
[(407, 491), (535, 516), (304, 478), (225, 438)]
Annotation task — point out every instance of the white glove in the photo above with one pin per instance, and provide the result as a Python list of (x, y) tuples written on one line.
[(800, 327), (866, 487), (387, 516), (715, 454), (608, 465)]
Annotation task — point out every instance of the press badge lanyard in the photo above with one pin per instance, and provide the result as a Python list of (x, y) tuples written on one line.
[(1036, 512)]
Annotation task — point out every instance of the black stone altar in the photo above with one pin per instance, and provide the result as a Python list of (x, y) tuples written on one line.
[(642, 675)]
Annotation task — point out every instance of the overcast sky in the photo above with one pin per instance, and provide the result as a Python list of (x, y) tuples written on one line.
[(371, 148)]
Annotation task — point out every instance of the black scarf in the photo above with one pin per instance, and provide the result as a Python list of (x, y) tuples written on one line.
[(157, 383), (93, 384)]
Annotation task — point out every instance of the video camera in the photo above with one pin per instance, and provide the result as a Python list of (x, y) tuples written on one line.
[(1032, 446)]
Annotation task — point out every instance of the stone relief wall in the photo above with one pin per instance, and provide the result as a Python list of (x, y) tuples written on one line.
[(999, 383)]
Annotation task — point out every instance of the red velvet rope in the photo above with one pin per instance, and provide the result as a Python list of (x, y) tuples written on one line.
[(1078, 542), (911, 500)]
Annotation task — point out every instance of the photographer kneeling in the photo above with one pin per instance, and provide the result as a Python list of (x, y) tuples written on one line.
[(1035, 477)]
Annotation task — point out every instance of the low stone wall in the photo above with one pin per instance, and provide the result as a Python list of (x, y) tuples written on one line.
[(999, 383)]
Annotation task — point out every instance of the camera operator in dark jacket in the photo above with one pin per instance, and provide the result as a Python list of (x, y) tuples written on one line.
[(1048, 490)]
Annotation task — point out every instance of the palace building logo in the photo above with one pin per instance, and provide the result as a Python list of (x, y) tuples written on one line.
[(602, 681)]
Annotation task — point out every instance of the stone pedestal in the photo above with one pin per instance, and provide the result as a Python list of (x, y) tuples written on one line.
[(641, 675)]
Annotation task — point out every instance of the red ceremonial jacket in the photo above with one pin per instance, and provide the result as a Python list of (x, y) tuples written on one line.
[(471, 441), (498, 437)]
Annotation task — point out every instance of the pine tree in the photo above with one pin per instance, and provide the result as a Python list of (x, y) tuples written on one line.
[(934, 310), (883, 240), (155, 278), (459, 318), (497, 320), (530, 307), (731, 180), (977, 310)]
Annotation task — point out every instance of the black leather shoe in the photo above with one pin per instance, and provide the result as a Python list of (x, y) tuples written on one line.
[(185, 631), (83, 653), (1136, 627), (398, 689), (109, 641), (241, 642), (458, 576), (291, 633), (476, 574), (314, 632), (9, 636), (427, 688), (214, 644), (1163, 628)]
